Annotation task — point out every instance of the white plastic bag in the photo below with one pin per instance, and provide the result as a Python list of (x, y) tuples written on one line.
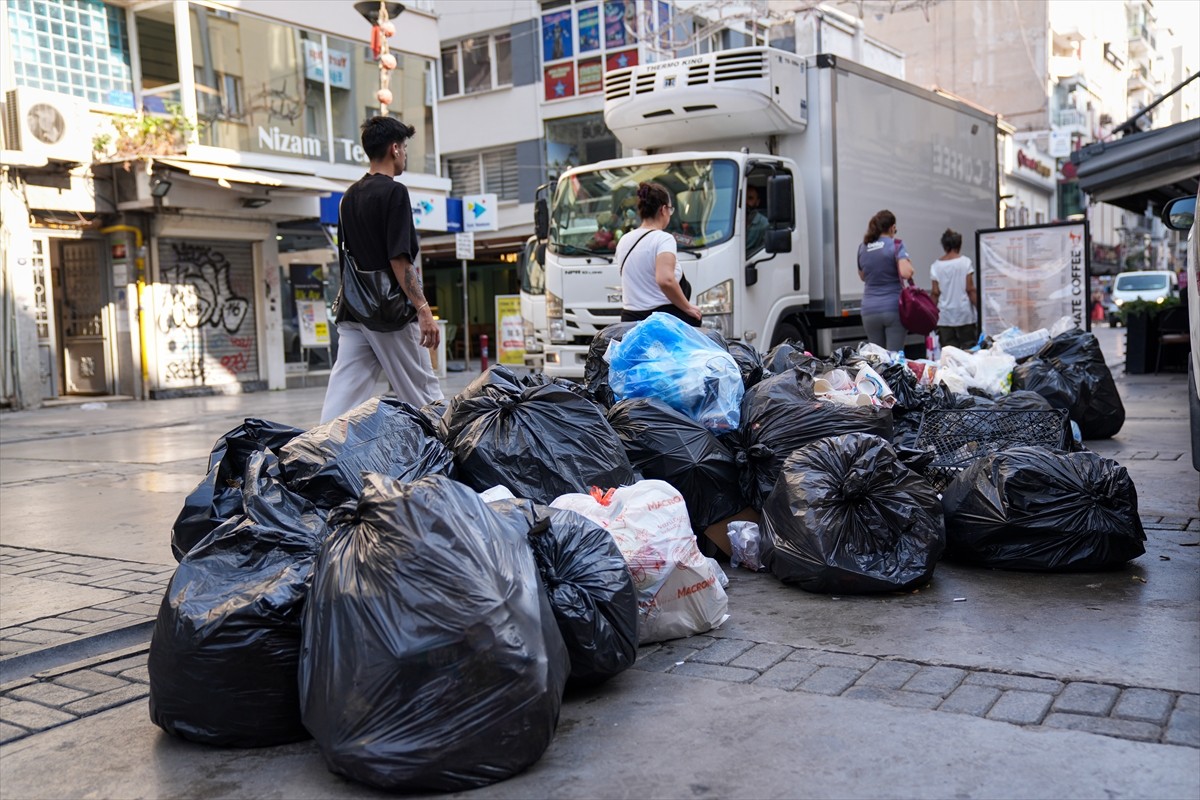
[(986, 370), (744, 541), (680, 592)]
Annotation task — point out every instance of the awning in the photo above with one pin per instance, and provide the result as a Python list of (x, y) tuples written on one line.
[(258, 177), (1143, 169)]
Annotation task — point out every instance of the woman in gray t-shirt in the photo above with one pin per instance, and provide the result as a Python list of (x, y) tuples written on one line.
[(883, 265)]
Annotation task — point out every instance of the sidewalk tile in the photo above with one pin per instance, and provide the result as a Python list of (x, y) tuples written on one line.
[(888, 675), (9, 732), (1184, 725), (1123, 728), (31, 716), (1020, 707), (894, 697), (115, 697), (36, 637), (663, 659), (1087, 698), (761, 656), (90, 681), (48, 694), (117, 667), (715, 672), (1000, 680), (89, 615), (831, 681), (1146, 705), (786, 675), (55, 624), (824, 659), (935, 680), (722, 651), (968, 699)]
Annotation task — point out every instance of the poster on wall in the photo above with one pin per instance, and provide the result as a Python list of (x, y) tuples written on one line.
[(614, 24), (626, 58), (559, 80), (589, 29), (1030, 277), (591, 75), (308, 291), (510, 330), (556, 36)]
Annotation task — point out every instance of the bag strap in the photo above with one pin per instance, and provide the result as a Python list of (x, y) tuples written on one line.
[(621, 269)]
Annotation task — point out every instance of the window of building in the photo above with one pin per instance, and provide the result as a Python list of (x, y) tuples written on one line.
[(478, 64), (572, 141), (492, 172), (78, 48)]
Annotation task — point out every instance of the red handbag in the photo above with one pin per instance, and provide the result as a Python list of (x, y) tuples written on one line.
[(918, 312)]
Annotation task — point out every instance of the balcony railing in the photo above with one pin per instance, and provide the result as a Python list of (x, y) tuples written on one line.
[(1070, 118)]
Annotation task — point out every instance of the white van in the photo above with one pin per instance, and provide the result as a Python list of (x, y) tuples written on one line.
[(1154, 286)]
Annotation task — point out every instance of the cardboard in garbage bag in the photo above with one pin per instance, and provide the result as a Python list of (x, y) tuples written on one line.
[(848, 517), (679, 590), (588, 584), (1032, 508), (663, 444), (218, 497), (431, 658), (226, 645), (383, 435)]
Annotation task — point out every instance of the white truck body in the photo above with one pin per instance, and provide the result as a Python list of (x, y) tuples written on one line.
[(533, 302), (854, 142)]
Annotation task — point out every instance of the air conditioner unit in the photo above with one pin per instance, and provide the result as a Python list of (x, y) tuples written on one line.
[(56, 127)]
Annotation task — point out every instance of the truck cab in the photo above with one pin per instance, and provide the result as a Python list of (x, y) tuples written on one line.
[(532, 274)]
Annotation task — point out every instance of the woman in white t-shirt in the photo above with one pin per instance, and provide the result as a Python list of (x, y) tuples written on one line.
[(651, 277), (954, 293)]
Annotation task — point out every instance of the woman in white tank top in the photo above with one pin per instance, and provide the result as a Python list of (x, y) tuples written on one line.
[(651, 277)]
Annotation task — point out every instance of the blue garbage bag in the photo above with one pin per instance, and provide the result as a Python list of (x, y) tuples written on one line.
[(667, 359)]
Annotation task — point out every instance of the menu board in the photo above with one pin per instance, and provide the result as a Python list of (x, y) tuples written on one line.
[(1031, 276)]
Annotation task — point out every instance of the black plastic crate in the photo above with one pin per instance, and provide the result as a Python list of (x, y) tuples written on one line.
[(962, 435)]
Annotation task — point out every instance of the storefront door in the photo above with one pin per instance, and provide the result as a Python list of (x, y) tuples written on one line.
[(82, 300)]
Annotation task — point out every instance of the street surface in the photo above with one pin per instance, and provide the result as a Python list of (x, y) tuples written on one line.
[(985, 684)]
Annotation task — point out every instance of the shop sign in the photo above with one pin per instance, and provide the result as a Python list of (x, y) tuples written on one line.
[(479, 212), (314, 65), (1034, 165), (429, 211), (510, 330), (1031, 277), (559, 80)]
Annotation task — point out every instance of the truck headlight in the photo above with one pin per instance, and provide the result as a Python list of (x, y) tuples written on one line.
[(554, 306), (717, 300), (1119, 302), (558, 330)]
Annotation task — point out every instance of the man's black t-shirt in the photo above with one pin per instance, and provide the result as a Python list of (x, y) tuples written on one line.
[(377, 222)]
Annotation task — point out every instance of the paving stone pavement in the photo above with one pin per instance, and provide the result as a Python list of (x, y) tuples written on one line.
[(142, 586), (1124, 712), (62, 695)]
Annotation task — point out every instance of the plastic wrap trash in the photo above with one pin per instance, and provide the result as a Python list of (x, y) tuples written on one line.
[(863, 387), (663, 444), (589, 587), (538, 441), (1031, 508), (218, 497), (1020, 345), (382, 435), (985, 370), (749, 361), (847, 517), (431, 660), (744, 540), (781, 415), (679, 591), (667, 359), (226, 646)]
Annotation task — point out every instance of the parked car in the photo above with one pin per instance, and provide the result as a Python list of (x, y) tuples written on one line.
[(1180, 215), (1155, 286)]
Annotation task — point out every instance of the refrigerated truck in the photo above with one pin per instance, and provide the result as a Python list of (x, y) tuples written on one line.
[(826, 142)]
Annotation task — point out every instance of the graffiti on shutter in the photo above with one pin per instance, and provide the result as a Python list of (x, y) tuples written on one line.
[(207, 335)]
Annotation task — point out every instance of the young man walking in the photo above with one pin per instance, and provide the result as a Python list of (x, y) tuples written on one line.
[(377, 228)]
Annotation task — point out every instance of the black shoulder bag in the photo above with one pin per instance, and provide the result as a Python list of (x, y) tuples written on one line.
[(370, 297)]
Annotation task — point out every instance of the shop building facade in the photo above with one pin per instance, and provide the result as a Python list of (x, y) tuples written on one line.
[(184, 251)]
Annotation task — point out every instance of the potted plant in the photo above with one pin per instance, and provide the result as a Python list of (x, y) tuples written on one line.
[(1140, 318)]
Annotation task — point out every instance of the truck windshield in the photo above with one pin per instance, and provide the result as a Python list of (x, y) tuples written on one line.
[(533, 274), (592, 210)]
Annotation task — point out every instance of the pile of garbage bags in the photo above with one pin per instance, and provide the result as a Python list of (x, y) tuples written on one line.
[(417, 588)]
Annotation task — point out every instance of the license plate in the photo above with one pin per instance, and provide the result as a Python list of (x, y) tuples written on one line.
[(614, 298)]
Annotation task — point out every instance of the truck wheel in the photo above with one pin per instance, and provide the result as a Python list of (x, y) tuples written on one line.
[(785, 331)]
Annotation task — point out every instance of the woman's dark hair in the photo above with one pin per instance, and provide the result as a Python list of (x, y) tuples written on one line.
[(951, 240), (651, 197), (880, 224), (380, 133)]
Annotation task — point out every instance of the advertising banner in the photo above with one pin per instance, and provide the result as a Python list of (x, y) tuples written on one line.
[(308, 290), (589, 29), (559, 80), (591, 75), (1029, 277), (556, 36), (510, 330), (625, 58)]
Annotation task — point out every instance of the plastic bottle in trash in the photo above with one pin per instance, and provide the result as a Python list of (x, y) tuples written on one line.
[(483, 353)]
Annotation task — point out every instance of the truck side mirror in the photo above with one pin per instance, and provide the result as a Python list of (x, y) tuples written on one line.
[(541, 219), (539, 253), (781, 201), (778, 240)]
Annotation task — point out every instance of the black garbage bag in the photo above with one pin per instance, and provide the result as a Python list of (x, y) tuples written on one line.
[(218, 497), (434, 414), (847, 517), (589, 587), (431, 657), (595, 369), (666, 445), (497, 382), (540, 442), (749, 361), (903, 383), (785, 356), (781, 415), (1083, 384), (382, 435), (1023, 400), (226, 646), (1032, 508)]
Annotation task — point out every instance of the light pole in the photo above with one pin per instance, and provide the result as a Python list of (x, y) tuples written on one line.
[(380, 14)]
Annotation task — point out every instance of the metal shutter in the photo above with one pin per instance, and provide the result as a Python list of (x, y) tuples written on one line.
[(205, 324), (464, 175), (500, 173)]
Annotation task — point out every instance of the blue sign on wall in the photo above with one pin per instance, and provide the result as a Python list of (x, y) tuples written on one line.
[(329, 208), (454, 215)]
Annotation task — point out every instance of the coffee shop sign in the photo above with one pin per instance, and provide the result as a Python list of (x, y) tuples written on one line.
[(278, 141), (1030, 163)]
